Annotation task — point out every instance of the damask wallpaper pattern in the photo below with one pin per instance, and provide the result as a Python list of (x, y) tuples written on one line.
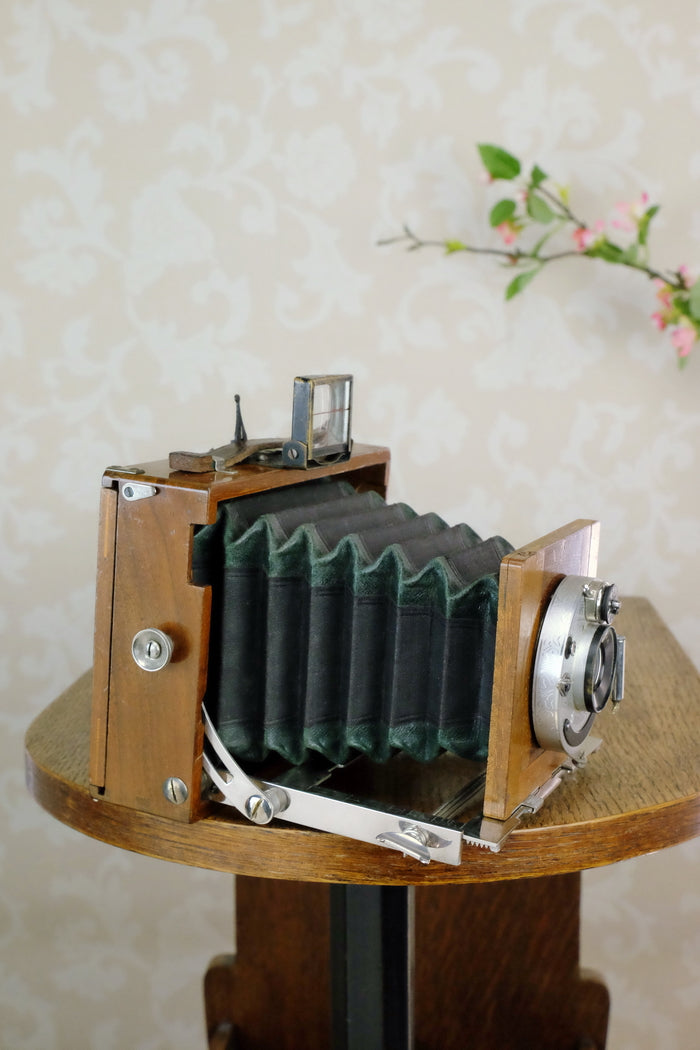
[(191, 198)]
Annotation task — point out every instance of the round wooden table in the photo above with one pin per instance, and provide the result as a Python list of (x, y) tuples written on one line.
[(489, 948)]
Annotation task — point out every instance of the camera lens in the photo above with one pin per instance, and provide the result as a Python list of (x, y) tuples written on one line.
[(600, 669)]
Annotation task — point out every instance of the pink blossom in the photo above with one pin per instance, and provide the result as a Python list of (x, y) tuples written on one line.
[(508, 231), (630, 214), (683, 338), (664, 293), (685, 275), (585, 237), (668, 314)]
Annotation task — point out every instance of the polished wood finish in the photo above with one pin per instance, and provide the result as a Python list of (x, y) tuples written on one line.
[(276, 991), (106, 548), (528, 576), (496, 965), (640, 792), (368, 466), (154, 728), (147, 726)]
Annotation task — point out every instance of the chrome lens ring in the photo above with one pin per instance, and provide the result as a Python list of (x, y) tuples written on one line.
[(575, 666), (601, 664)]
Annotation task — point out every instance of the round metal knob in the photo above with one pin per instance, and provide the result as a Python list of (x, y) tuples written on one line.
[(152, 649), (262, 807)]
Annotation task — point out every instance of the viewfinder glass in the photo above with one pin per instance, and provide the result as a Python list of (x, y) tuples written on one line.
[(330, 422)]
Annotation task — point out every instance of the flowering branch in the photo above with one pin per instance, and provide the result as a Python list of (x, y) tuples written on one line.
[(537, 204)]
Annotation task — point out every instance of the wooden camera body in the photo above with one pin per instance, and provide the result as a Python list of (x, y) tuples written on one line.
[(147, 728), (147, 734)]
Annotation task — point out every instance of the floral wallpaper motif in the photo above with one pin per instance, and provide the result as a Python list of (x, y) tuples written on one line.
[(191, 198)]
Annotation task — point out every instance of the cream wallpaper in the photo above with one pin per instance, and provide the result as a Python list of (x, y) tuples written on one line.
[(192, 192)]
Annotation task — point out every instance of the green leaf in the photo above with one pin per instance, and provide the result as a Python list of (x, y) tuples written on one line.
[(538, 209), (643, 229), (537, 177), (612, 253), (520, 282), (681, 303), (502, 211), (498, 162), (454, 246), (694, 301)]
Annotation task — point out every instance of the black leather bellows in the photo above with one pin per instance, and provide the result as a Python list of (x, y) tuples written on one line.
[(341, 624)]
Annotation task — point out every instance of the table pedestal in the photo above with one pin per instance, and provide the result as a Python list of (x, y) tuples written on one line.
[(495, 965)]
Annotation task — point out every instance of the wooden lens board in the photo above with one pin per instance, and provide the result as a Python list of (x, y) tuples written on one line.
[(516, 764)]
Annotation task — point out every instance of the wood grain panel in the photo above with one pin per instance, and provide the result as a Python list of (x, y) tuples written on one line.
[(106, 548), (495, 966), (516, 764), (147, 726)]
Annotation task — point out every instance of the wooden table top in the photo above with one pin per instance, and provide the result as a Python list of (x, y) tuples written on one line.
[(639, 793)]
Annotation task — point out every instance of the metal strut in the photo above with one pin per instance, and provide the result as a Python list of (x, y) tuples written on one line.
[(299, 797)]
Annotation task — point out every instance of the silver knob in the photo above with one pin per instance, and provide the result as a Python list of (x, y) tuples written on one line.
[(261, 808), (152, 649)]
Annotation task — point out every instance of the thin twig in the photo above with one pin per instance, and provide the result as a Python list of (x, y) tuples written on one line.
[(516, 256)]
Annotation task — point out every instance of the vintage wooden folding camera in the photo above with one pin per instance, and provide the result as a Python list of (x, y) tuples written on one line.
[(272, 635)]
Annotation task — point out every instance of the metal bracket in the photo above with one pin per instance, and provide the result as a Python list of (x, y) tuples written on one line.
[(135, 490), (424, 839), (299, 798), (493, 833)]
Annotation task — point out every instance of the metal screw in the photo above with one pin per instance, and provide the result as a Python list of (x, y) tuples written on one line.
[(175, 790), (259, 809), (418, 834), (153, 650)]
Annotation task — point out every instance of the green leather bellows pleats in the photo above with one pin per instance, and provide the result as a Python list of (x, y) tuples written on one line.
[(341, 624)]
